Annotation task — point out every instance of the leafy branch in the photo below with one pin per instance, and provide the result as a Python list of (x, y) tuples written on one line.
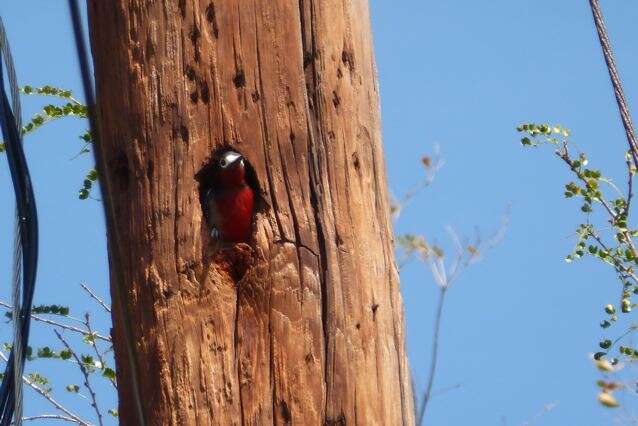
[(84, 368), (72, 108), (612, 244), (88, 365), (46, 394)]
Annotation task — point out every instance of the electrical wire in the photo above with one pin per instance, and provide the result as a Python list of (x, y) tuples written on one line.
[(109, 212), (605, 44), (17, 247), (26, 242)]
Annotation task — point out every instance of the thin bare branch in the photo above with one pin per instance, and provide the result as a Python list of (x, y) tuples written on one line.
[(59, 324), (620, 268), (73, 417), (546, 409), (96, 349), (96, 298), (85, 373), (432, 167), (434, 357), (446, 390), (49, 417), (465, 254)]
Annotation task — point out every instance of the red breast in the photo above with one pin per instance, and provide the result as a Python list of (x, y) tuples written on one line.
[(235, 207)]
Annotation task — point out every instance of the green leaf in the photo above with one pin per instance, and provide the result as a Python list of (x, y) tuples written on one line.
[(47, 91), (86, 137), (87, 359), (51, 309), (605, 344), (46, 352), (72, 388), (37, 378), (109, 373)]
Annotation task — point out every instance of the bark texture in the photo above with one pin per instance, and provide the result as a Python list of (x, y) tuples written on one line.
[(305, 324)]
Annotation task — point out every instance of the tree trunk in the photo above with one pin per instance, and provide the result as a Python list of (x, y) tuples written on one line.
[(305, 324)]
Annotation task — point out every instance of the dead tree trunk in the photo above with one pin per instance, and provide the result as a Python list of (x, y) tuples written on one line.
[(305, 326)]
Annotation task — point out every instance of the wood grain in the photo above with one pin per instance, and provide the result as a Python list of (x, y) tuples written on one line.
[(305, 324)]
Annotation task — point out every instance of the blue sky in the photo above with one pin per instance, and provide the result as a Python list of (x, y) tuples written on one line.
[(518, 326)]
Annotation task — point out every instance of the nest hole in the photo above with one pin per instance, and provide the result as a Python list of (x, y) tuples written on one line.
[(205, 178)]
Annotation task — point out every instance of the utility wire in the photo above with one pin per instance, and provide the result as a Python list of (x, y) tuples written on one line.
[(17, 246), (109, 211), (26, 242), (615, 79)]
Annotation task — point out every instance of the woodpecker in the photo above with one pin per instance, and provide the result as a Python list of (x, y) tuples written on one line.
[(230, 201)]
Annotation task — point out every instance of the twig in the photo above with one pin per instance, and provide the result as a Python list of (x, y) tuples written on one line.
[(99, 354), (564, 155), (415, 399), (97, 299), (85, 373), (622, 336), (59, 324), (72, 417), (620, 268), (84, 150), (546, 409), (446, 390), (49, 417), (37, 93), (432, 168), (465, 255), (434, 357)]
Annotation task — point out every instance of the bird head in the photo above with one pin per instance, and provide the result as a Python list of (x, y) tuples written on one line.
[(230, 169)]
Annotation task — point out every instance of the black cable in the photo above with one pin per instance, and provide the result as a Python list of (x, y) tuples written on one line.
[(623, 109), (114, 251), (83, 58), (28, 231)]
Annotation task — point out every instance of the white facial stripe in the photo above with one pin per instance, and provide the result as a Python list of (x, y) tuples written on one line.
[(231, 157)]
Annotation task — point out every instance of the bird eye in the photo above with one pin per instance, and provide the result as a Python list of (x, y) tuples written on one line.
[(222, 162)]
